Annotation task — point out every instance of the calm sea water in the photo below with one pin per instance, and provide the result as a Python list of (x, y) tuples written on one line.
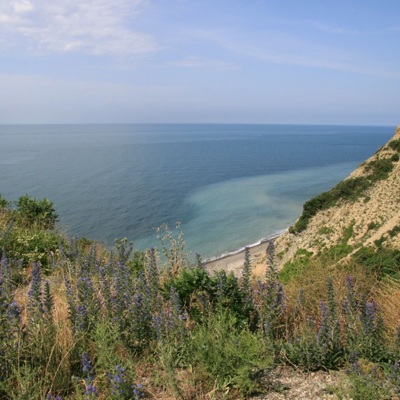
[(229, 185)]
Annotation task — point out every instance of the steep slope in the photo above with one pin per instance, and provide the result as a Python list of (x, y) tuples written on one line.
[(363, 210)]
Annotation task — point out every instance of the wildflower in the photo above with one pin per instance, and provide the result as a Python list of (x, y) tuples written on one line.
[(87, 369), (246, 271), (137, 391), (35, 292), (323, 332), (48, 299)]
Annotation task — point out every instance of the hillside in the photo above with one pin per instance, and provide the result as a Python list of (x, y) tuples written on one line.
[(80, 321), (362, 211)]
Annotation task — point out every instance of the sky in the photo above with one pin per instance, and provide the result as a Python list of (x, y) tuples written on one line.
[(200, 61)]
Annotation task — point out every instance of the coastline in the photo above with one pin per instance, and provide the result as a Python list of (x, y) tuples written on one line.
[(233, 261)]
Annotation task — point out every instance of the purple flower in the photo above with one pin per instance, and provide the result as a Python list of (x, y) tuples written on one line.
[(137, 391), (86, 363), (14, 314), (323, 332), (35, 305), (51, 397), (87, 369)]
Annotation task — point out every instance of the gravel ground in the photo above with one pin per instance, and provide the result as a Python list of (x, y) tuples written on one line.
[(288, 383)]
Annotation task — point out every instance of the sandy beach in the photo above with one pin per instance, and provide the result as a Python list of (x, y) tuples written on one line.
[(234, 262)]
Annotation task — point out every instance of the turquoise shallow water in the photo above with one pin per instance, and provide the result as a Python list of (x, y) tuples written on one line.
[(234, 213), (229, 185)]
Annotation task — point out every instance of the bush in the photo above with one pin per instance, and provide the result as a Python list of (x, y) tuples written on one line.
[(337, 251), (384, 261), (29, 246), (395, 144), (3, 202), (295, 267), (305, 351), (40, 213), (232, 356), (200, 293), (379, 169), (395, 231), (366, 382), (349, 189)]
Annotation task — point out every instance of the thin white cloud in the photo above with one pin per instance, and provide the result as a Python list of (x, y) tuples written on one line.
[(202, 63), (333, 29), (323, 27), (21, 7), (88, 26), (279, 48)]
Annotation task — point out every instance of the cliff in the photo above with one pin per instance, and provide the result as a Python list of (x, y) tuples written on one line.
[(361, 211)]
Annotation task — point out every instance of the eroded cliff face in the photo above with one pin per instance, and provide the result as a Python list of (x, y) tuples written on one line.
[(370, 219)]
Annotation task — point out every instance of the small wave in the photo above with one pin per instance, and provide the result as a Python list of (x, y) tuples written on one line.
[(232, 253)]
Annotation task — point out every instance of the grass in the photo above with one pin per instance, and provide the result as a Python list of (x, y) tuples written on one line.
[(91, 323)]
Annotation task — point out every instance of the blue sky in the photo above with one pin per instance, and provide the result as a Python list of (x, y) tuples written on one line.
[(223, 61)]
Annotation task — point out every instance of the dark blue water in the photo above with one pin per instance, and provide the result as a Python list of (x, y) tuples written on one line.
[(229, 185)]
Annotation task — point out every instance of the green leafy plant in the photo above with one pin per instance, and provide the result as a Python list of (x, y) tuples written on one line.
[(3, 202), (383, 261), (36, 212), (347, 190), (295, 267), (201, 293), (32, 245), (395, 157), (230, 355), (395, 144), (379, 169), (173, 247), (366, 382)]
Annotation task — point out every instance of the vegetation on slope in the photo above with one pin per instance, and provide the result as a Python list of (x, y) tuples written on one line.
[(85, 322), (28, 232), (352, 188)]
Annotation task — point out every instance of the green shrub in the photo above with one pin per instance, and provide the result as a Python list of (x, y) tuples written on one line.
[(325, 231), (295, 267), (395, 231), (395, 144), (3, 202), (195, 289), (378, 242), (229, 355), (349, 189), (38, 213), (337, 251), (304, 351), (200, 293), (188, 282), (347, 233), (383, 261), (379, 169), (29, 246), (366, 382)]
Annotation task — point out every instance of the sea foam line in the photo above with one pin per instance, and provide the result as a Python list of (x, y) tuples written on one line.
[(241, 249)]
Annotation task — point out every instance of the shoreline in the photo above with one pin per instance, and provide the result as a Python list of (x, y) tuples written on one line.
[(233, 261)]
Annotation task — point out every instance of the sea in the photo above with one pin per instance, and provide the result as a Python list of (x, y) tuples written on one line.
[(228, 185)]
